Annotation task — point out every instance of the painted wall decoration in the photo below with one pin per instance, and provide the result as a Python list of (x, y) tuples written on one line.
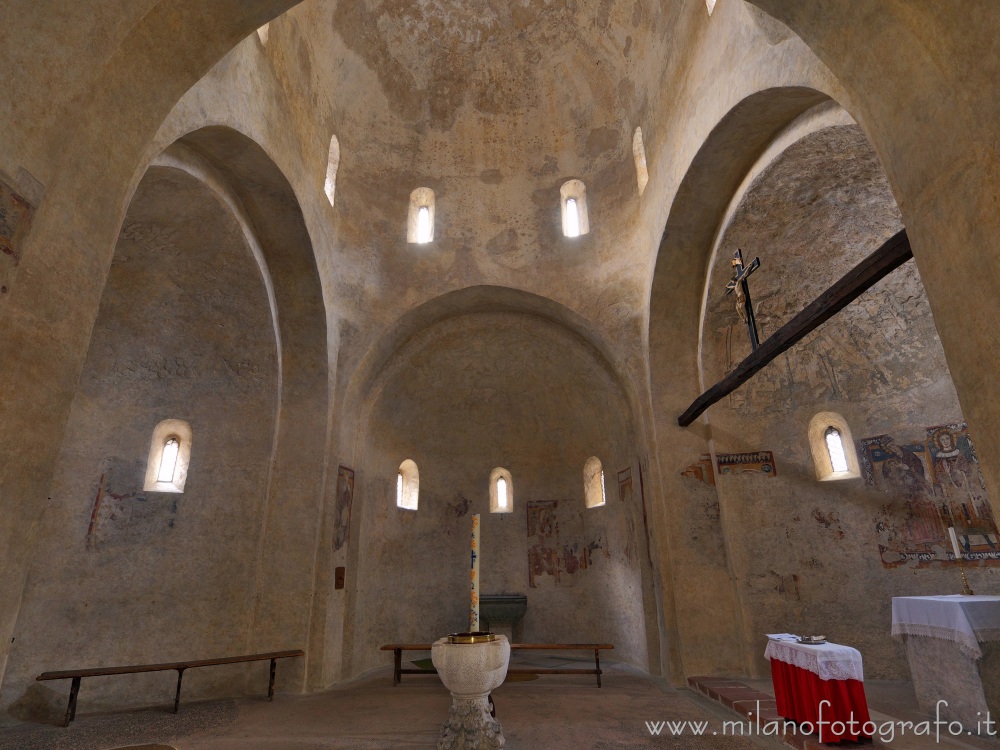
[(342, 510), (703, 470), (122, 514), (553, 559), (625, 484), (626, 493), (757, 462), (543, 541), (934, 483), (15, 220)]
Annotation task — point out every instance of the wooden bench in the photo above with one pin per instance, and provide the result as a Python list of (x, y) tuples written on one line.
[(78, 674), (399, 648)]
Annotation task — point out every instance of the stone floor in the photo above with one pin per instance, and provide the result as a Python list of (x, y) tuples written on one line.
[(548, 712), (369, 714)]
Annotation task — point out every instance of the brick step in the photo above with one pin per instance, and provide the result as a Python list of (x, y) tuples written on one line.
[(761, 709)]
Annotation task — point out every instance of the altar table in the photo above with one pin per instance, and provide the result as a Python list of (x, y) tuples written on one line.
[(804, 676), (965, 620), (953, 647)]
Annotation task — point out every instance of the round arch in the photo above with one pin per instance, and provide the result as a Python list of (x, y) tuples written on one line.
[(484, 298)]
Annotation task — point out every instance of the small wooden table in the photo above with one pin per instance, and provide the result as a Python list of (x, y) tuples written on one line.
[(399, 648)]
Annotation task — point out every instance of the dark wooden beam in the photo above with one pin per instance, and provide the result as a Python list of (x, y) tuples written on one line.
[(893, 253)]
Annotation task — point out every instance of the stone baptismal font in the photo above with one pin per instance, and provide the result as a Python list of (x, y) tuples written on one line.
[(471, 665)]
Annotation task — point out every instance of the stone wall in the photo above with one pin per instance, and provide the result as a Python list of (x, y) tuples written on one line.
[(826, 557), (128, 576), (461, 398)]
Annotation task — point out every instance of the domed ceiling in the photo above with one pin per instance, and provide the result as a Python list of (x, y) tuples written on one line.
[(458, 88)]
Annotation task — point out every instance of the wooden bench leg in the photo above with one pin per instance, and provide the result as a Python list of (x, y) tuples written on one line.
[(71, 708), (397, 665), (270, 680), (177, 696), (597, 664)]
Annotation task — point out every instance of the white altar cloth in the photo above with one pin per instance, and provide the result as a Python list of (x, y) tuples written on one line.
[(830, 661), (965, 620)]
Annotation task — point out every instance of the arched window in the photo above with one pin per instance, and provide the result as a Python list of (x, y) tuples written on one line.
[(420, 222), (262, 32), (575, 218), (169, 456), (835, 448), (572, 227), (832, 447), (639, 155), (332, 165), (168, 461), (593, 483), (407, 486), (501, 491)]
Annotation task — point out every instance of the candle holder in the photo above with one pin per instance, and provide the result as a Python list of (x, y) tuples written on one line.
[(966, 588)]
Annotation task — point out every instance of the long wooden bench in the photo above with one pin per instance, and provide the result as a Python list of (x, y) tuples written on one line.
[(78, 674), (399, 648)]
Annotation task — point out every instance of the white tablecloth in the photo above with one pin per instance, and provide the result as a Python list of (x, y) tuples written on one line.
[(966, 620), (829, 661)]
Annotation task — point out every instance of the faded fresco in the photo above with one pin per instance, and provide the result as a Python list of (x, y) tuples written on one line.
[(625, 485), (555, 561), (935, 483), (121, 514), (342, 509), (15, 219)]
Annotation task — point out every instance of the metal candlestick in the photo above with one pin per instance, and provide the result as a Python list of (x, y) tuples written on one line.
[(966, 588)]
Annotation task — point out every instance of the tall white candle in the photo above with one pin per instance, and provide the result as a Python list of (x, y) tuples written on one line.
[(954, 543), (474, 609)]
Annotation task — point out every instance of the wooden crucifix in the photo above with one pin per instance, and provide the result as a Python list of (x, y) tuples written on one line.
[(744, 305)]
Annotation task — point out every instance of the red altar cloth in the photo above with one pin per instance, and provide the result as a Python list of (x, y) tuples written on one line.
[(798, 693)]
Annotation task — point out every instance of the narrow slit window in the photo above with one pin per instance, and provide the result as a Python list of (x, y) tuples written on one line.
[(420, 220), (168, 461), (573, 208), (408, 485), (639, 156), (169, 457), (501, 491), (835, 447), (594, 495), (332, 165), (423, 225), (572, 218), (832, 447)]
